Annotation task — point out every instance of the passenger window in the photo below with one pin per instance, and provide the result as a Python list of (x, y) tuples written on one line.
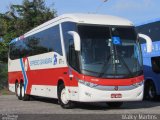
[(73, 56), (42, 42), (156, 64)]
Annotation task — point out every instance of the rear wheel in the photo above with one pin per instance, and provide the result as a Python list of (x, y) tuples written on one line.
[(115, 104), (18, 91), (62, 97), (16, 88), (150, 91), (25, 97)]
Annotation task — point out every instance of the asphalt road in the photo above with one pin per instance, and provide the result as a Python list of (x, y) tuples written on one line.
[(9, 104)]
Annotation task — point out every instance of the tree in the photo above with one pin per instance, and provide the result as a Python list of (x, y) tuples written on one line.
[(3, 76), (20, 19), (17, 21)]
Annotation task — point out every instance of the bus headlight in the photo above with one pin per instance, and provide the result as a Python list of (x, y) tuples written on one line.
[(138, 84), (89, 84)]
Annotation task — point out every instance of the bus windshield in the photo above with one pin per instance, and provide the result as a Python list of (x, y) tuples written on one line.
[(110, 51)]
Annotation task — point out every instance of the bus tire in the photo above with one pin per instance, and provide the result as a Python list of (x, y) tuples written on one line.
[(114, 104), (67, 104), (150, 91), (16, 88), (19, 91), (25, 97)]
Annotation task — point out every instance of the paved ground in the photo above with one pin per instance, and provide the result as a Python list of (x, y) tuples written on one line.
[(9, 104)]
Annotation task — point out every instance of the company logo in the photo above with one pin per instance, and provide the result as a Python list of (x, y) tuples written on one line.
[(54, 59), (116, 88)]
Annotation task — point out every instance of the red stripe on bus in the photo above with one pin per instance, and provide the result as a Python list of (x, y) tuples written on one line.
[(51, 77), (115, 82)]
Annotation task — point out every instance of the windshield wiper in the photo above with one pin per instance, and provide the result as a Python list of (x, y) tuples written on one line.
[(105, 67), (92, 72), (97, 63), (124, 63)]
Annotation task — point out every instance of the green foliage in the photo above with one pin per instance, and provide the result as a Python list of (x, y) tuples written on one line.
[(3, 75), (20, 19), (17, 21)]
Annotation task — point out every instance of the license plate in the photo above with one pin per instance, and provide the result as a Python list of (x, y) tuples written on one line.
[(116, 95)]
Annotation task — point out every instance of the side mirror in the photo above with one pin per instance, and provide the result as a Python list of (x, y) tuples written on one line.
[(76, 39), (148, 42)]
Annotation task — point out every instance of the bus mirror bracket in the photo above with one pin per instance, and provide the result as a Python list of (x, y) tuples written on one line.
[(148, 41), (76, 39)]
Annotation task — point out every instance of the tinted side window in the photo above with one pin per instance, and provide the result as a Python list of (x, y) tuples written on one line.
[(39, 43), (72, 55), (45, 41), (19, 49), (67, 26), (33, 43), (156, 64), (50, 39)]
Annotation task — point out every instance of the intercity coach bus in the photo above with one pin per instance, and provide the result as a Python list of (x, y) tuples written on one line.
[(79, 57), (151, 60)]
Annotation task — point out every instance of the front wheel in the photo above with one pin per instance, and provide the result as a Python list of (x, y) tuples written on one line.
[(150, 91), (62, 97), (115, 104)]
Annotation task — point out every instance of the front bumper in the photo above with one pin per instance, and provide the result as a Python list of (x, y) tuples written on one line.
[(88, 94)]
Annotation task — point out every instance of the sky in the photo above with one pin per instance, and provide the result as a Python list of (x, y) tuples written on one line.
[(138, 11)]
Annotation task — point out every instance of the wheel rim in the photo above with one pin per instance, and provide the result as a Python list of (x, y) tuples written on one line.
[(22, 91), (151, 92), (64, 96), (18, 90)]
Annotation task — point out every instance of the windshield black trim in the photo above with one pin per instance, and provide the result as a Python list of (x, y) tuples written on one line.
[(138, 73)]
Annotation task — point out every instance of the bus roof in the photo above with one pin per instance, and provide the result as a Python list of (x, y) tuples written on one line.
[(82, 19), (147, 22)]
